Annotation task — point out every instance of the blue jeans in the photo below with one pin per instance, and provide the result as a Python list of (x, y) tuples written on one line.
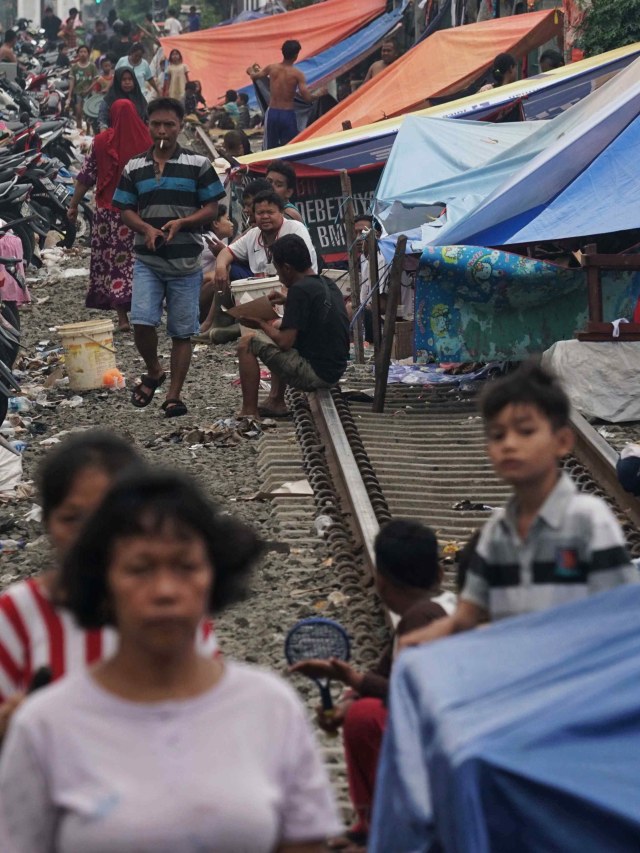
[(182, 295)]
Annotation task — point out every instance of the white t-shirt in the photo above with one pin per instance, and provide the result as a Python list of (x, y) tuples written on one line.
[(172, 26), (235, 770), (407, 290), (249, 249), (365, 283)]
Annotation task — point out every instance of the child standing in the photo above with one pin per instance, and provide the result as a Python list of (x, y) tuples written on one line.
[(244, 115), (83, 73), (104, 81), (176, 75), (551, 544), (408, 578)]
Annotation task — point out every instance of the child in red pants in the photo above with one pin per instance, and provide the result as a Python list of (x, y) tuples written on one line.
[(408, 578)]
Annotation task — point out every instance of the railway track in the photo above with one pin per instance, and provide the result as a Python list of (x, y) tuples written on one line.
[(423, 458)]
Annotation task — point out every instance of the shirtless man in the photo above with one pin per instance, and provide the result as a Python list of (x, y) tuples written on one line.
[(389, 53), (285, 82)]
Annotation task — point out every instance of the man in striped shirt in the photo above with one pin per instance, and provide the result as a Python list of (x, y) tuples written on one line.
[(166, 195), (551, 544)]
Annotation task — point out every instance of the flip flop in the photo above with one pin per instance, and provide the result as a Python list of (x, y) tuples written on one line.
[(266, 412), (141, 400), (174, 408)]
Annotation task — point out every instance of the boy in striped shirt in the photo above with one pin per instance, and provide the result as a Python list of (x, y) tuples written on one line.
[(551, 544)]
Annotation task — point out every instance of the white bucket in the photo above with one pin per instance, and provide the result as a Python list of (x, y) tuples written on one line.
[(88, 351)]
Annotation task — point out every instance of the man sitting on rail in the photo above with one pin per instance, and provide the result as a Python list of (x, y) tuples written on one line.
[(310, 349), (408, 579)]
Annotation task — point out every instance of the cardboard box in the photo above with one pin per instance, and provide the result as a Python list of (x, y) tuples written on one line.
[(403, 340)]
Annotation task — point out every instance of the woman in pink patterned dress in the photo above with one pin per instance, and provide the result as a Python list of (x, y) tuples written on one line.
[(111, 268)]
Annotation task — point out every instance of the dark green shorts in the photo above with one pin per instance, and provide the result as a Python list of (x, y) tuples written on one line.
[(290, 366)]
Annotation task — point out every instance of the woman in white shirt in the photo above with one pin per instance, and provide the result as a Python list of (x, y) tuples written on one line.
[(161, 750)]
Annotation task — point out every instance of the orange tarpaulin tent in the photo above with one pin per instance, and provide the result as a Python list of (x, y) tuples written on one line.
[(443, 64), (219, 57)]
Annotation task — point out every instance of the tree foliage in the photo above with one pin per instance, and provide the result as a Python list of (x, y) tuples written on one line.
[(610, 24)]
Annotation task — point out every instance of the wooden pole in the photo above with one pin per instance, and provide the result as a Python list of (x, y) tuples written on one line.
[(391, 311), (374, 275), (354, 264), (416, 19), (594, 287)]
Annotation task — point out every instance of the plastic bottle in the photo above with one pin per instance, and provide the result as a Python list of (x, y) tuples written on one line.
[(20, 446), (10, 546), (322, 523), (19, 404)]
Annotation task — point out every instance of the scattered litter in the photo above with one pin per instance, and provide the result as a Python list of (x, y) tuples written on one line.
[(75, 272), (10, 471), (19, 404), (57, 438), (224, 432), (293, 488), (470, 506), (10, 546), (433, 374), (34, 514), (338, 599), (113, 379), (73, 402)]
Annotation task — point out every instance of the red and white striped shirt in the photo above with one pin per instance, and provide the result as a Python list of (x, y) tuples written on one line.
[(34, 633)]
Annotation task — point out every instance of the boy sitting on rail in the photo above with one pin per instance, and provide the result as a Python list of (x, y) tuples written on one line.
[(408, 578), (551, 544)]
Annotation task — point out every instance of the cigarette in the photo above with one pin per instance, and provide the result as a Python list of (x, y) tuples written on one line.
[(161, 144)]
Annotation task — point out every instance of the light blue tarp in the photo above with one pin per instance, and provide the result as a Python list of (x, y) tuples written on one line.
[(527, 176), (448, 148), (329, 63), (521, 736)]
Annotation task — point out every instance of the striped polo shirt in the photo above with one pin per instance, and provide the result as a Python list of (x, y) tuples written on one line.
[(574, 548), (186, 184)]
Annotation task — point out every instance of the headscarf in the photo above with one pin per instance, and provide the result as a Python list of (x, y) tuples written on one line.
[(136, 97), (113, 148)]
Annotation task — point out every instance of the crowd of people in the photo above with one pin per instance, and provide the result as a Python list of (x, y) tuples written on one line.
[(121, 624), (142, 698)]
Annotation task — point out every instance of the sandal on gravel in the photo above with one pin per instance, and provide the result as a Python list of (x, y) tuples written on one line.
[(174, 408), (141, 399), (266, 412)]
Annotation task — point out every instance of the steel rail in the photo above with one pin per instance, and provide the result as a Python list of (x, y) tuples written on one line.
[(600, 459)]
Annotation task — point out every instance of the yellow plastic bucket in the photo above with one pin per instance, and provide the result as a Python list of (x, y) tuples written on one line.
[(88, 352)]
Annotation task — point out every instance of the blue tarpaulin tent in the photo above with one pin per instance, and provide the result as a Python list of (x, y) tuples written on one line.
[(525, 177), (522, 736), (337, 59), (602, 199)]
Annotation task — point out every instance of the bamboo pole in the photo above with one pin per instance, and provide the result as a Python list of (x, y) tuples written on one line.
[(354, 264), (390, 314), (374, 275)]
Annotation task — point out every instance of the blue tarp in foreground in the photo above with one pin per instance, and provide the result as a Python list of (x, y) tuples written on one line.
[(521, 736)]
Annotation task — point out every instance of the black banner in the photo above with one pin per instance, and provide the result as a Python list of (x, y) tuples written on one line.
[(320, 201)]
